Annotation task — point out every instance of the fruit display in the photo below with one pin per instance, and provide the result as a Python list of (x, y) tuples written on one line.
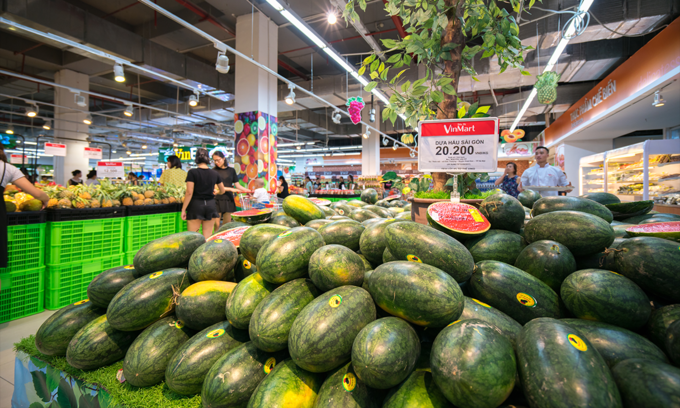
[(481, 308)]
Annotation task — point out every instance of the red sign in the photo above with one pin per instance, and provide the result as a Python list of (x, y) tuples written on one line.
[(110, 170), (459, 128), (55, 149), (18, 159)]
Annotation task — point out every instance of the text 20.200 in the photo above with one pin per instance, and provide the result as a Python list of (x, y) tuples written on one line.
[(454, 150)]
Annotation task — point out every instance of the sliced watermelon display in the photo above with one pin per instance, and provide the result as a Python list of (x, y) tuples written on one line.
[(233, 235), (320, 201), (253, 216), (622, 211), (461, 221), (667, 230)]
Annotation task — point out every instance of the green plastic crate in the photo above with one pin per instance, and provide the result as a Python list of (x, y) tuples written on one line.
[(130, 257), (142, 229), (26, 248), (78, 241), (21, 293), (67, 283), (181, 224)]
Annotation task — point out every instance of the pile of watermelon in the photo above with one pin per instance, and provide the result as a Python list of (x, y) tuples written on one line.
[(565, 304)]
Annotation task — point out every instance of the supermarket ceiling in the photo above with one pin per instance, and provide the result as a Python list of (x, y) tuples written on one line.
[(131, 30)]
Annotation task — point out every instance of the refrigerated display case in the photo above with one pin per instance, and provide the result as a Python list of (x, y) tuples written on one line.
[(592, 174)]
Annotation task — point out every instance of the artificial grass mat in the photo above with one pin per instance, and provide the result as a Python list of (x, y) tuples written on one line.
[(122, 395)]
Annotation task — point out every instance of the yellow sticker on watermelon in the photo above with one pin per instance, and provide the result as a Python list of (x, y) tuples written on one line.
[(269, 365), (349, 382), (577, 342), (81, 302), (335, 301), (155, 275), (215, 334), (526, 300)]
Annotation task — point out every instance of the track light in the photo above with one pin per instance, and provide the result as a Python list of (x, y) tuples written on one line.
[(222, 64), (174, 144), (332, 18), (88, 120), (118, 73), (371, 117), (298, 147), (366, 134), (290, 98), (394, 147), (128, 152), (658, 100), (384, 141), (336, 117), (32, 111), (47, 125), (128, 111), (193, 99), (124, 144), (10, 130), (80, 100), (144, 147)]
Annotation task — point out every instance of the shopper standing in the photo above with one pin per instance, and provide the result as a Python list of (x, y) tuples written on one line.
[(173, 174), (341, 183), (76, 179), (282, 189), (308, 185), (92, 178), (509, 181), (350, 183), (132, 179), (225, 202), (543, 174)]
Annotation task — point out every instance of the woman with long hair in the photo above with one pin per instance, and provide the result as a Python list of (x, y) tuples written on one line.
[(173, 174), (76, 179), (282, 189), (225, 202), (92, 178), (509, 181), (132, 179)]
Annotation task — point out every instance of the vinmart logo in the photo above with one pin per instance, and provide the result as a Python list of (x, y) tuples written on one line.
[(458, 127)]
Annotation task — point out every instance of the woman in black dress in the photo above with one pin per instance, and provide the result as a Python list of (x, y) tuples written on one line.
[(225, 202), (282, 189), (77, 178)]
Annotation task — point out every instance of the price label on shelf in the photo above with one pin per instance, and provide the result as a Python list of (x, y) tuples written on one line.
[(458, 145), (93, 153), (110, 170), (55, 149)]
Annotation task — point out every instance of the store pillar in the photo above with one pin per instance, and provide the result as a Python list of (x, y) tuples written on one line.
[(255, 124), (370, 148), (68, 123)]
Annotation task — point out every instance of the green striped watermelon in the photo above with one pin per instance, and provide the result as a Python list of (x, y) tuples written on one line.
[(503, 212), (105, 285), (98, 344), (369, 196), (328, 211), (56, 332), (673, 342), (473, 364), (256, 237), (343, 389), (287, 386), (213, 260), (243, 268), (549, 261), (382, 212), (564, 203), (620, 230), (416, 292), (286, 257), (385, 352), (316, 224), (338, 217), (647, 383), (253, 217), (651, 217), (372, 221), (388, 257), (367, 265), (167, 252), (659, 321), (148, 356), (667, 230), (202, 304), (602, 198), (343, 232), (417, 391), (335, 265), (229, 225), (356, 203), (189, 365), (244, 298), (147, 299), (284, 220), (234, 377), (583, 233), (528, 198), (461, 221), (274, 316), (373, 242), (302, 209), (342, 208), (475, 309), (621, 211), (496, 245), (362, 215), (560, 368), (323, 332), (606, 296)]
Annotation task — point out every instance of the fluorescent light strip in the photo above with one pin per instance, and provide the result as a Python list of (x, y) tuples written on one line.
[(294, 144)]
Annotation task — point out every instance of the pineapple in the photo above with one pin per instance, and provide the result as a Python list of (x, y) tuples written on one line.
[(95, 203), (107, 203), (156, 201), (138, 202), (148, 194), (172, 200), (64, 203), (81, 203), (148, 201), (165, 200), (546, 87), (52, 203), (127, 201), (66, 193), (115, 203)]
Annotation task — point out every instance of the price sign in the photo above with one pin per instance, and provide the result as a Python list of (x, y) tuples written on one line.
[(18, 159), (110, 170), (458, 145), (93, 153), (55, 149)]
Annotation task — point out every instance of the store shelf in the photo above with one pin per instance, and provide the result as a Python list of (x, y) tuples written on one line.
[(26, 247), (22, 293), (142, 229), (76, 241)]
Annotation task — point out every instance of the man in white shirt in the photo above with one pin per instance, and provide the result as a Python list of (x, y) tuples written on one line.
[(543, 174)]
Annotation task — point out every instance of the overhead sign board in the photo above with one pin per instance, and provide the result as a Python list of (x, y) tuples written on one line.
[(93, 153), (458, 145), (18, 159), (55, 149), (110, 169)]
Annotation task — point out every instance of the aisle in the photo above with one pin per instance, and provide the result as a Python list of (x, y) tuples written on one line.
[(11, 333)]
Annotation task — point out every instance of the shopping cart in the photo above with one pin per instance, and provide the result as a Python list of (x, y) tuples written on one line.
[(246, 203)]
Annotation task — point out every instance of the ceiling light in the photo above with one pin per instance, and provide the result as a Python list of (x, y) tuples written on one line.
[(47, 125), (88, 120), (395, 146), (10, 130), (144, 146), (113, 151), (290, 98), (124, 144), (128, 111), (174, 144), (193, 99), (80, 100), (128, 152), (32, 111), (18, 141), (118, 73), (222, 64), (332, 18), (658, 100), (298, 147), (367, 133)]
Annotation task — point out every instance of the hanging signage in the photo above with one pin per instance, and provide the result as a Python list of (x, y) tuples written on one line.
[(55, 149), (523, 149), (458, 145), (188, 153), (110, 170), (93, 153), (18, 159)]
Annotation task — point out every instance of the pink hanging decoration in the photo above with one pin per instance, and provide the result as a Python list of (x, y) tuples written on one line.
[(356, 104)]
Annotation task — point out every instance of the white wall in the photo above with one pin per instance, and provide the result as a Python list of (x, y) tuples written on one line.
[(574, 151)]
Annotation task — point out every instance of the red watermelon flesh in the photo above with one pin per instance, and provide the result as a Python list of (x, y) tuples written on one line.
[(666, 230), (461, 221), (233, 235)]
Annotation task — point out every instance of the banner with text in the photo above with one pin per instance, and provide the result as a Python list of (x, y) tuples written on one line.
[(55, 149), (93, 153), (110, 170)]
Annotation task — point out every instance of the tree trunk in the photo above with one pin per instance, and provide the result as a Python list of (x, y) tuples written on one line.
[(449, 106)]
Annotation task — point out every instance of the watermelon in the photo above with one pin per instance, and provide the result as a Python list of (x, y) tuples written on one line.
[(356, 203), (235, 375), (652, 263), (344, 232), (147, 299), (285, 220), (286, 256), (56, 332), (232, 235), (98, 344), (528, 198), (513, 291), (323, 332), (395, 211), (666, 230), (503, 212), (620, 231), (256, 237), (338, 217), (372, 242), (416, 292), (202, 304), (244, 298), (378, 210), (388, 257), (405, 216), (278, 212), (659, 321), (230, 225), (343, 389), (253, 217), (167, 252), (147, 358), (559, 367), (564, 203), (673, 342), (616, 344), (606, 296), (420, 243), (417, 391), (327, 211), (369, 196), (621, 211), (372, 221), (321, 202), (647, 383), (601, 260), (213, 260), (243, 268), (549, 261), (367, 265), (302, 209), (602, 198), (496, 245), (287, 386), (332, 266), (342, 208), (385, 352), (473, 364), (651, 217), (191, 362), (507, 326), (273, 317), (362, 215), (461, 221), (316, 224), (584, 234), (105, 285)]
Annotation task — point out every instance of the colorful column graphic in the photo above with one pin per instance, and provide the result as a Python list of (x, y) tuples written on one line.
[(255, 149)]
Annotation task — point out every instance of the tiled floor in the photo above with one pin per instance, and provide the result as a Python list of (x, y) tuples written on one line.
[(11, 333)]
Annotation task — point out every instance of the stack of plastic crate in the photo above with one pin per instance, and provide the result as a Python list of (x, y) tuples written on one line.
[(144, 224)]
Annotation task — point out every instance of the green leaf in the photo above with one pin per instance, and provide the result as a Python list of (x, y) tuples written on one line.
[(370, 86), (375, 65), (65, 396), (449, 182), (36, 405), (437, 96), (355, 16), (394, 58), (443, 21), (53, 378), (424, 184), (386, 112), (405, 86), (374, 75), (420, 90), (40, 386), (389, 43), (527, 73), (444, 81), (383, 75), (407, 59), (483, 109), (369, 59), (473, 109), (398, 75), (381, 68), (488, 53), (461, 112), (362, 70), (390, 175), (393, 116), (419, 82), (362, 4), (449, 89), (38, 363)]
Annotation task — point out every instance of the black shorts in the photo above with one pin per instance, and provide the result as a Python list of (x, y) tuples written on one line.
[(225, 204), (204, 210)]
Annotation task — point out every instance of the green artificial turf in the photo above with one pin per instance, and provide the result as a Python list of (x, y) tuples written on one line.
[(122, 395)]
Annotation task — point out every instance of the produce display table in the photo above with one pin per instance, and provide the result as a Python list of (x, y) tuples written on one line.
[(336, 197)]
